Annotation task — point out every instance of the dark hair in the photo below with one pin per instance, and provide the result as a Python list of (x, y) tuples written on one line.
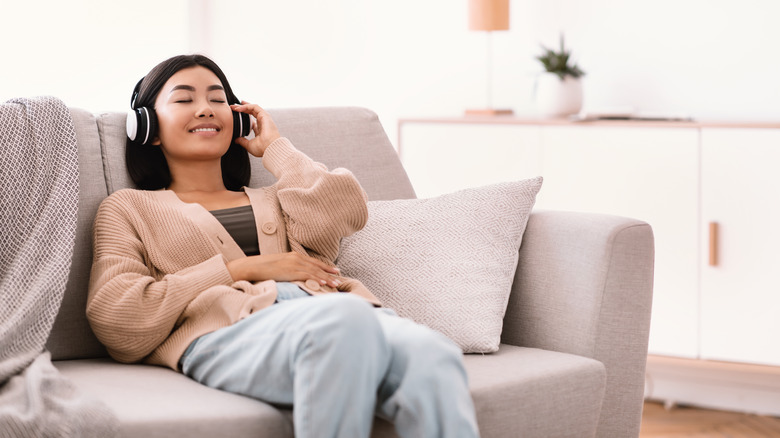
[(146, 164)]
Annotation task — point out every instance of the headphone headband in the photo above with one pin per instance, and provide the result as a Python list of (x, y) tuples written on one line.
[(136, 90)]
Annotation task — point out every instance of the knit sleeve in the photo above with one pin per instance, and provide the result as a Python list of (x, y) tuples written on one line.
[(132, 309), (319, 206)]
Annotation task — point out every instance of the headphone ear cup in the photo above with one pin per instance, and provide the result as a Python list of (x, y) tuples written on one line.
[(241, 125), (153, 126), (131, 125), (141, 125)]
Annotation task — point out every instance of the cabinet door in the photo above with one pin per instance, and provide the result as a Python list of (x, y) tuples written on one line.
[(741, 294), (444, 157), (646, 173)]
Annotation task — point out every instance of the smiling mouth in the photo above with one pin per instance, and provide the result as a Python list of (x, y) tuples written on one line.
[(205, 130)]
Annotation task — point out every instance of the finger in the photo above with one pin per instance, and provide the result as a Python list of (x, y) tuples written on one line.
[(249, 108), (238, 107), (323, 266), (326, 275), (311, 270), (330, 269), (243, 103), (327, 279), (244, 108)]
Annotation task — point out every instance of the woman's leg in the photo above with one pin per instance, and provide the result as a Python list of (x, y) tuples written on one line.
[(425, 392), (326, 355)]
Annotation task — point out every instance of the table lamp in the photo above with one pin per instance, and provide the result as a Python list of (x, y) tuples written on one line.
[(489, 15)]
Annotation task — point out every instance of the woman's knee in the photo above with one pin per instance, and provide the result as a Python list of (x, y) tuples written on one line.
[(423, 343), (342, 317), (347, 308)]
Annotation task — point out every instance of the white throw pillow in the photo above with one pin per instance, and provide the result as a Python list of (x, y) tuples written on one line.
[(446, 262)]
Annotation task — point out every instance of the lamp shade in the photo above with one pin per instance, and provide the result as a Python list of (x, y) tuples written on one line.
[(488, 14)]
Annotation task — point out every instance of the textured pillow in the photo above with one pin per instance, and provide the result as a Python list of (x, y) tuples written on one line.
[(446, 262)]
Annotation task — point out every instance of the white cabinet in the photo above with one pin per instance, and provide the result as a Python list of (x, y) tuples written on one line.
[(676, 176), (648, 174), (740, 295), (443, 158)]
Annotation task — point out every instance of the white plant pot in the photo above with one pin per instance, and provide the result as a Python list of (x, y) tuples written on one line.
[(556, 97)]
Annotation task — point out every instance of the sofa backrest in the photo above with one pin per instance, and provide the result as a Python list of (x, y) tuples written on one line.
[(347, 137)]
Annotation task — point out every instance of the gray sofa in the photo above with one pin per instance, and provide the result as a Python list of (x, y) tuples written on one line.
[(574, 340)]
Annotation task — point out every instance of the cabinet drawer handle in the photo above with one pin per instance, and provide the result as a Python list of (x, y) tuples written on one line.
[(713, 244)]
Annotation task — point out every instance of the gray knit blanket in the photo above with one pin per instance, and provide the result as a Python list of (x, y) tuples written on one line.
[(38, 202)]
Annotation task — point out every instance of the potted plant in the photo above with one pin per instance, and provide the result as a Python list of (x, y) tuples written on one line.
[(559, 88)]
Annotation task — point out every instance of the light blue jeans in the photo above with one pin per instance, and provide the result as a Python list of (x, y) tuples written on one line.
[(339, 361)]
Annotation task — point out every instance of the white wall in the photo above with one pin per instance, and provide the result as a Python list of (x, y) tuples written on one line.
[(706, 58), (89, 53)]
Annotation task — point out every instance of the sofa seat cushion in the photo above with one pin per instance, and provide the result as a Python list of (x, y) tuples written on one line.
[(522, 389), (514, 389), (152, 402)]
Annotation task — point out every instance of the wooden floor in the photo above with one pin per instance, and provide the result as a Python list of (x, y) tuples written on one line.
[(687, 422)]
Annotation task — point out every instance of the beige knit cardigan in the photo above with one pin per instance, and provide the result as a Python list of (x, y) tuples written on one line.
[(159, 276)]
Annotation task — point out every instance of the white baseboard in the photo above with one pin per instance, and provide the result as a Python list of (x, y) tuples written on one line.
[(753, 389)]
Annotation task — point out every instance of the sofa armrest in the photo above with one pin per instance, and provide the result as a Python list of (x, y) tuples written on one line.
[(584, 286)]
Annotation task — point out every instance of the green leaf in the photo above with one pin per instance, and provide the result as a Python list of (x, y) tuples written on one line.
[(559, 62)]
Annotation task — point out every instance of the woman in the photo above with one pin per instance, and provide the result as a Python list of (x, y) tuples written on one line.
[(236, 286)]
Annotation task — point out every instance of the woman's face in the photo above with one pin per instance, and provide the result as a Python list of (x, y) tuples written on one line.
[(195, 120)]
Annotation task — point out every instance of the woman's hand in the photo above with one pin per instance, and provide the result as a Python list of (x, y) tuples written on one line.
[(265, 129), (290, 266)]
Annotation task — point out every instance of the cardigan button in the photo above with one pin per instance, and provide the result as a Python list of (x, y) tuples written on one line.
[(269, 228), (312, 284)]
